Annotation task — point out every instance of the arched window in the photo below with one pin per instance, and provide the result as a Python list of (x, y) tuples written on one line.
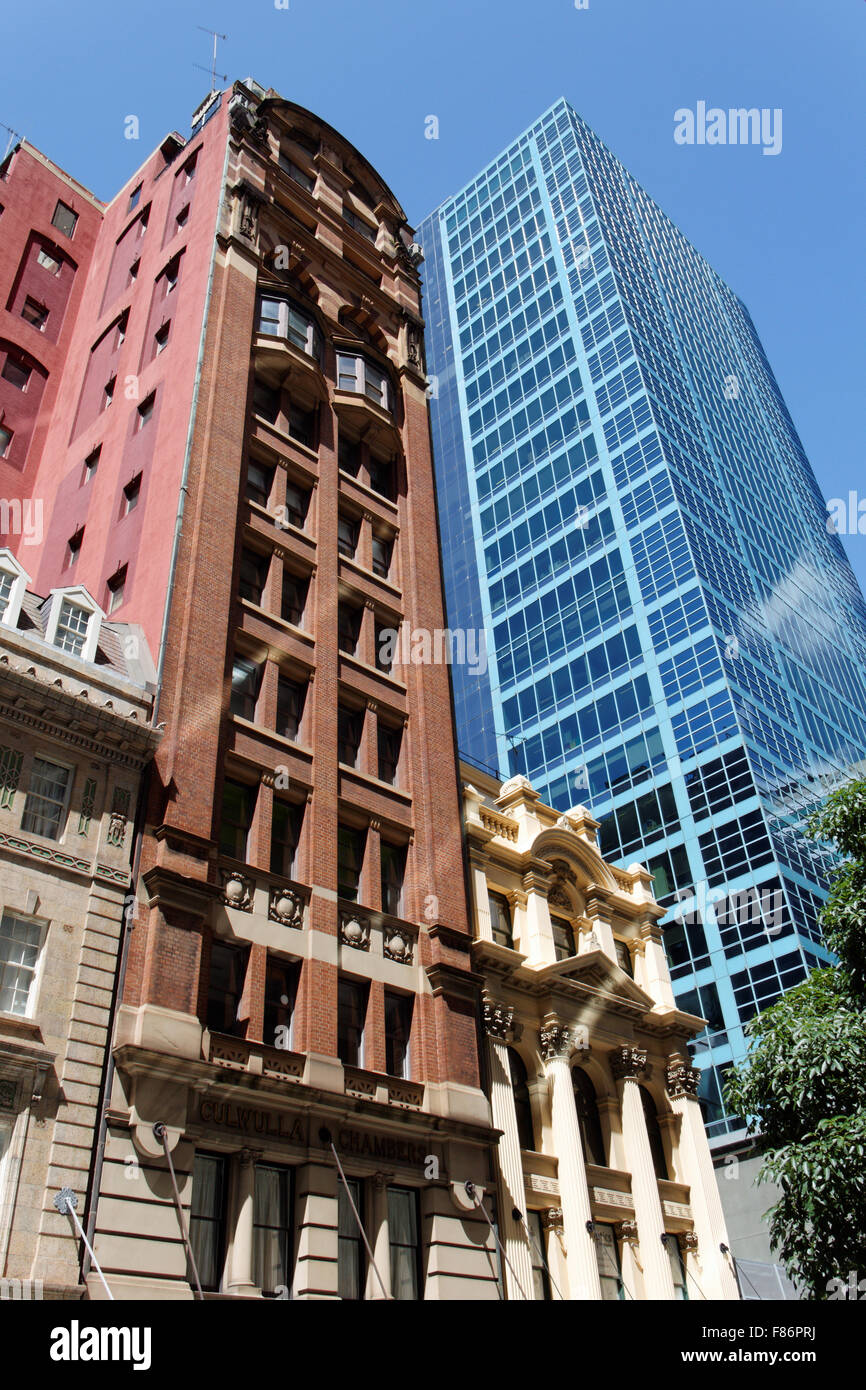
[(500, 919), (585, 1102), (654, 1134), (522, 1104)]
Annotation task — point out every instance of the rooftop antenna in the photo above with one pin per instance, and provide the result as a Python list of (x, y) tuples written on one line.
[(212, 69), (14, 138)]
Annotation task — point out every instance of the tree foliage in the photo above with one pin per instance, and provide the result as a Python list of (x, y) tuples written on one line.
[(803, 1086)]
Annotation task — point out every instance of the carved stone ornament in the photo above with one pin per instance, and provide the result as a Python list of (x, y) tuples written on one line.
[(681, 1078), (498, 1019), (237, 891), (554, 1039), (354, 931), (249, 218), (688, 1242), (627, 1230), (286, 907), (551, 1218), (117, 820), (398, 945), (628, 1063)]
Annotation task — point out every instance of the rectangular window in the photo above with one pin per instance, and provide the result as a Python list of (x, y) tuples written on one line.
[(266, 401), (623, 956), (540, 1276), (381, 472), (359, 224), (273, 1234), (182, 218), (108, 393), (398, 1026), (393, 864), (16, 372), (348, 627), (7, 583), (281, 992), (237, 817), (291, 696), (389, 753), (73, 550), (678, 1272), (302, 425), (117, 589), (5, 441), (35, 313), (349, 454), (350, 857), (563, 938), (20, 945), (285, 835), (91, 463), (170, 275), (294, 597), (347, 536), (71, 631), (64, 219), (160, 338), (145, 411), (246, 679), (131, 494), (350, 724), (296, 173), (381, 556), (253, 575), (228, 970), (260, 480), (133, 198), (350, 1247), (384, 647), (48, 262), (133, 270), (403, 1227), (351, 1015), (607, 1254), (297, 504), (207, 1219), (500, 920), (45, 806)]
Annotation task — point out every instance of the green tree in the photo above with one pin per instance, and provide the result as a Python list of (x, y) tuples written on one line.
[(803, 1086)]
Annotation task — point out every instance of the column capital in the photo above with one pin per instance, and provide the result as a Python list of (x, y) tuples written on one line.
[(536, 882), (628, 1063), (681, 1078), (498, 1019), (554, 1038)]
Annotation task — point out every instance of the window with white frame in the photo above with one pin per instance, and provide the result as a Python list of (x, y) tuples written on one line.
[(20, 946), (13, 583), (70, 634), (45, 805), (358, 374), (281, 318)]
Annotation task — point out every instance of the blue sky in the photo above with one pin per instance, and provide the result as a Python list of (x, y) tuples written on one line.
[(786, 231)]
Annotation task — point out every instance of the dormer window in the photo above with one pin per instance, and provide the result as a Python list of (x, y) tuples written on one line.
[(71, 632), (360, 375), (13, 583), (280, 318), (73, 622)]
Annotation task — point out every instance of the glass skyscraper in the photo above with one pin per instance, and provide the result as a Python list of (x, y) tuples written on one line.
[(675, 637)]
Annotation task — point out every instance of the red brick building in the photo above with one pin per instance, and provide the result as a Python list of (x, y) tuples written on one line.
[(238, 459)]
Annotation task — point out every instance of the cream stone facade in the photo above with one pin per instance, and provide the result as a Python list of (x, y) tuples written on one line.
[(606, 1185), (75, 704)]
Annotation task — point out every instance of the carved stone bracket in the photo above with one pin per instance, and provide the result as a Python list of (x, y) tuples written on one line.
[(688, 1242), (498, 1019), (286, 907), (627, 1230), (681, 1078), (355, 931), (628, 1063), (237, 890), (551, 1218)]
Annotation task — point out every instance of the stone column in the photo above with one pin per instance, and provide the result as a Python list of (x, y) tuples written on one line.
[(379, 1237), (242, 1280), (656, 974), (628, 1064), (498, 1026), (537, 941), (714, 1271), (556, 1046)]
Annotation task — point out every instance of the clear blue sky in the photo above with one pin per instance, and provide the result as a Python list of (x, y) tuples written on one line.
[(787, 232)]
